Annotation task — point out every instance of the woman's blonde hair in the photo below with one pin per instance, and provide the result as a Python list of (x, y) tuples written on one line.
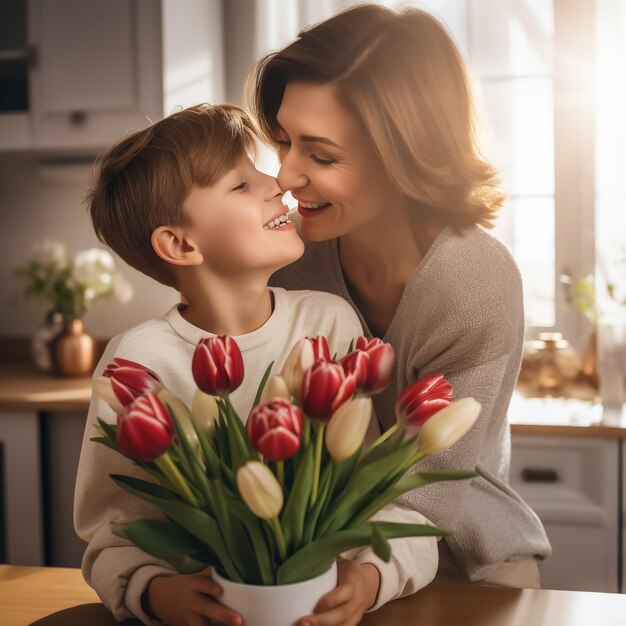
[(402, 75)]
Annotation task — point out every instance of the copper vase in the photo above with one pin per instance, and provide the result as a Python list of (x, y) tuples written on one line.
[(590, 360), (73, 351)]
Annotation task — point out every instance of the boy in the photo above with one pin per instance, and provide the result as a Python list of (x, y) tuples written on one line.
[(182, 202)]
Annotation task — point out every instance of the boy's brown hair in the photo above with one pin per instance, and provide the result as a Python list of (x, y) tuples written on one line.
[(143, 180)]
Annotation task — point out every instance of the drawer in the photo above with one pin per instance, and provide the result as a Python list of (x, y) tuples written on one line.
[(567, 480), (572, 485)]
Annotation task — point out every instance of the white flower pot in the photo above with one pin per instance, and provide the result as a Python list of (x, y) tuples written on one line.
[(277, 605)]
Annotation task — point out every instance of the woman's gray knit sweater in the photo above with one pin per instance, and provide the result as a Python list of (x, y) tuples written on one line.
[(461, 314)]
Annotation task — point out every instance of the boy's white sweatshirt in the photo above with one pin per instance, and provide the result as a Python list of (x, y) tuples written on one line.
[(120, 572)]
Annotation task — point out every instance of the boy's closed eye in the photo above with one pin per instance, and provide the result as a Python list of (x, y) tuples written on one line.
[(241, 186)]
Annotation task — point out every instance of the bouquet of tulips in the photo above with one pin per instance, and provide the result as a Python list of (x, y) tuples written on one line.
[(277, 499)]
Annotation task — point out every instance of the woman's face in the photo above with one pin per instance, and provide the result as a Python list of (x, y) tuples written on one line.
[(328, 163)]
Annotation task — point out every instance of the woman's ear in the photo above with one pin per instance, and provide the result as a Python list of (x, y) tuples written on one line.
[(170, 243)]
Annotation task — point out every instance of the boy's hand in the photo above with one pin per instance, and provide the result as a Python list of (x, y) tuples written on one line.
[(356, 590), (189, 600)]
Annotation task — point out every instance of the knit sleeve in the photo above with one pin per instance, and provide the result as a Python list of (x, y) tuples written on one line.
[(117, 570), (482, 362), (413, 563)]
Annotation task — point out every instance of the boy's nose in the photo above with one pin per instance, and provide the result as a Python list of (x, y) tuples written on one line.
[(272, 188)]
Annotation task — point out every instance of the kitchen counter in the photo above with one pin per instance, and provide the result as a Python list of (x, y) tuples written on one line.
[(22, 387), (59, 597)]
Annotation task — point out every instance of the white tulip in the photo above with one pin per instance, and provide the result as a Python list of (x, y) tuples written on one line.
[(205, 412), (347, 428), (298, 362), (101, 386), (183, 415), (447, 426), (260, 490), (276, 387)]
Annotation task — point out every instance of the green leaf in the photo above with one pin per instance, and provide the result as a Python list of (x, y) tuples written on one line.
[(211, 461), (320, 504), (144, 488), (235, 537), (162, 539), (368, 481), (419, 479), (294, 512), (105, 441), (382, 450), (199, 523), (254, 528), (200, 479), (221, 441), (317, 557), (346, 470), (407, 483), (108, 430), (239, 446), (257, 397), (192, 566), (380, 544)]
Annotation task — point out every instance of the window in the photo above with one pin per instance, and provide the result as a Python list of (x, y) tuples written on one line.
[(551, 80)]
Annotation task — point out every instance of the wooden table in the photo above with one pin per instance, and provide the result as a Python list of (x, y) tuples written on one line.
[(59, 597)]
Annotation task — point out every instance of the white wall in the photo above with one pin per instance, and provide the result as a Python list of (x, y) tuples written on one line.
[(38, 201)]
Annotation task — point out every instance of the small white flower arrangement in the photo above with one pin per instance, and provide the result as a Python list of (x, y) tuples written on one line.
[(71, 284)]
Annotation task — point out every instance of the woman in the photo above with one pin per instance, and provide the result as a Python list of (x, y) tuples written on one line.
[(372, 115)]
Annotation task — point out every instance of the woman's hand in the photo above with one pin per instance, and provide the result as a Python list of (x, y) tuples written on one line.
[(189, 600), (356, 591)]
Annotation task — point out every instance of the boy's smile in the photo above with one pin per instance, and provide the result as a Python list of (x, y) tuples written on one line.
[(280, 221), (231, 221)]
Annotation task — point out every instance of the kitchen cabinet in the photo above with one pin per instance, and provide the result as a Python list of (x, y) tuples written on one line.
[(573, 484), (42, 420), (85, 72)]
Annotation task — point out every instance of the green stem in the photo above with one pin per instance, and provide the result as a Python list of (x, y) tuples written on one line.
[(415, 458), (382, 438), (168, 467), (306, 432), (280, 538), (280, 470), (319, 440)]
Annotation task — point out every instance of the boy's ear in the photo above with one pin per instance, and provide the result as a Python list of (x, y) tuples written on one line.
[(170, 243)]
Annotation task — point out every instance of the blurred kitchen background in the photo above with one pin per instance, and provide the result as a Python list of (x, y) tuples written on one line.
[(550, 76)]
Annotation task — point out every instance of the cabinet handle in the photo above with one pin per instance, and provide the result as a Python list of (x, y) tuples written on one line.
[(78, 118), (539, 475)]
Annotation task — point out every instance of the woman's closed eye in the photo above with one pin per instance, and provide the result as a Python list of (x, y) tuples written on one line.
[(285, 143), (321, 161)]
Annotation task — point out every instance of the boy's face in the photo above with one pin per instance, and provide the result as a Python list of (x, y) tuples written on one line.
[(230, 222)]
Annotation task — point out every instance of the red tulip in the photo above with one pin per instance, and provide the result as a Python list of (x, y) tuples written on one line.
[(320, 348), (145, 429), (325, 388), (217, 365), (371, 363), (275, 429), (129, 380), (422, 399)]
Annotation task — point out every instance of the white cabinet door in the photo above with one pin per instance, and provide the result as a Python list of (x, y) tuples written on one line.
[(98, 73), (572, 484)]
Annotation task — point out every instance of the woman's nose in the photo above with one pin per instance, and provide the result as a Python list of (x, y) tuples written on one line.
[(290, 176)]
